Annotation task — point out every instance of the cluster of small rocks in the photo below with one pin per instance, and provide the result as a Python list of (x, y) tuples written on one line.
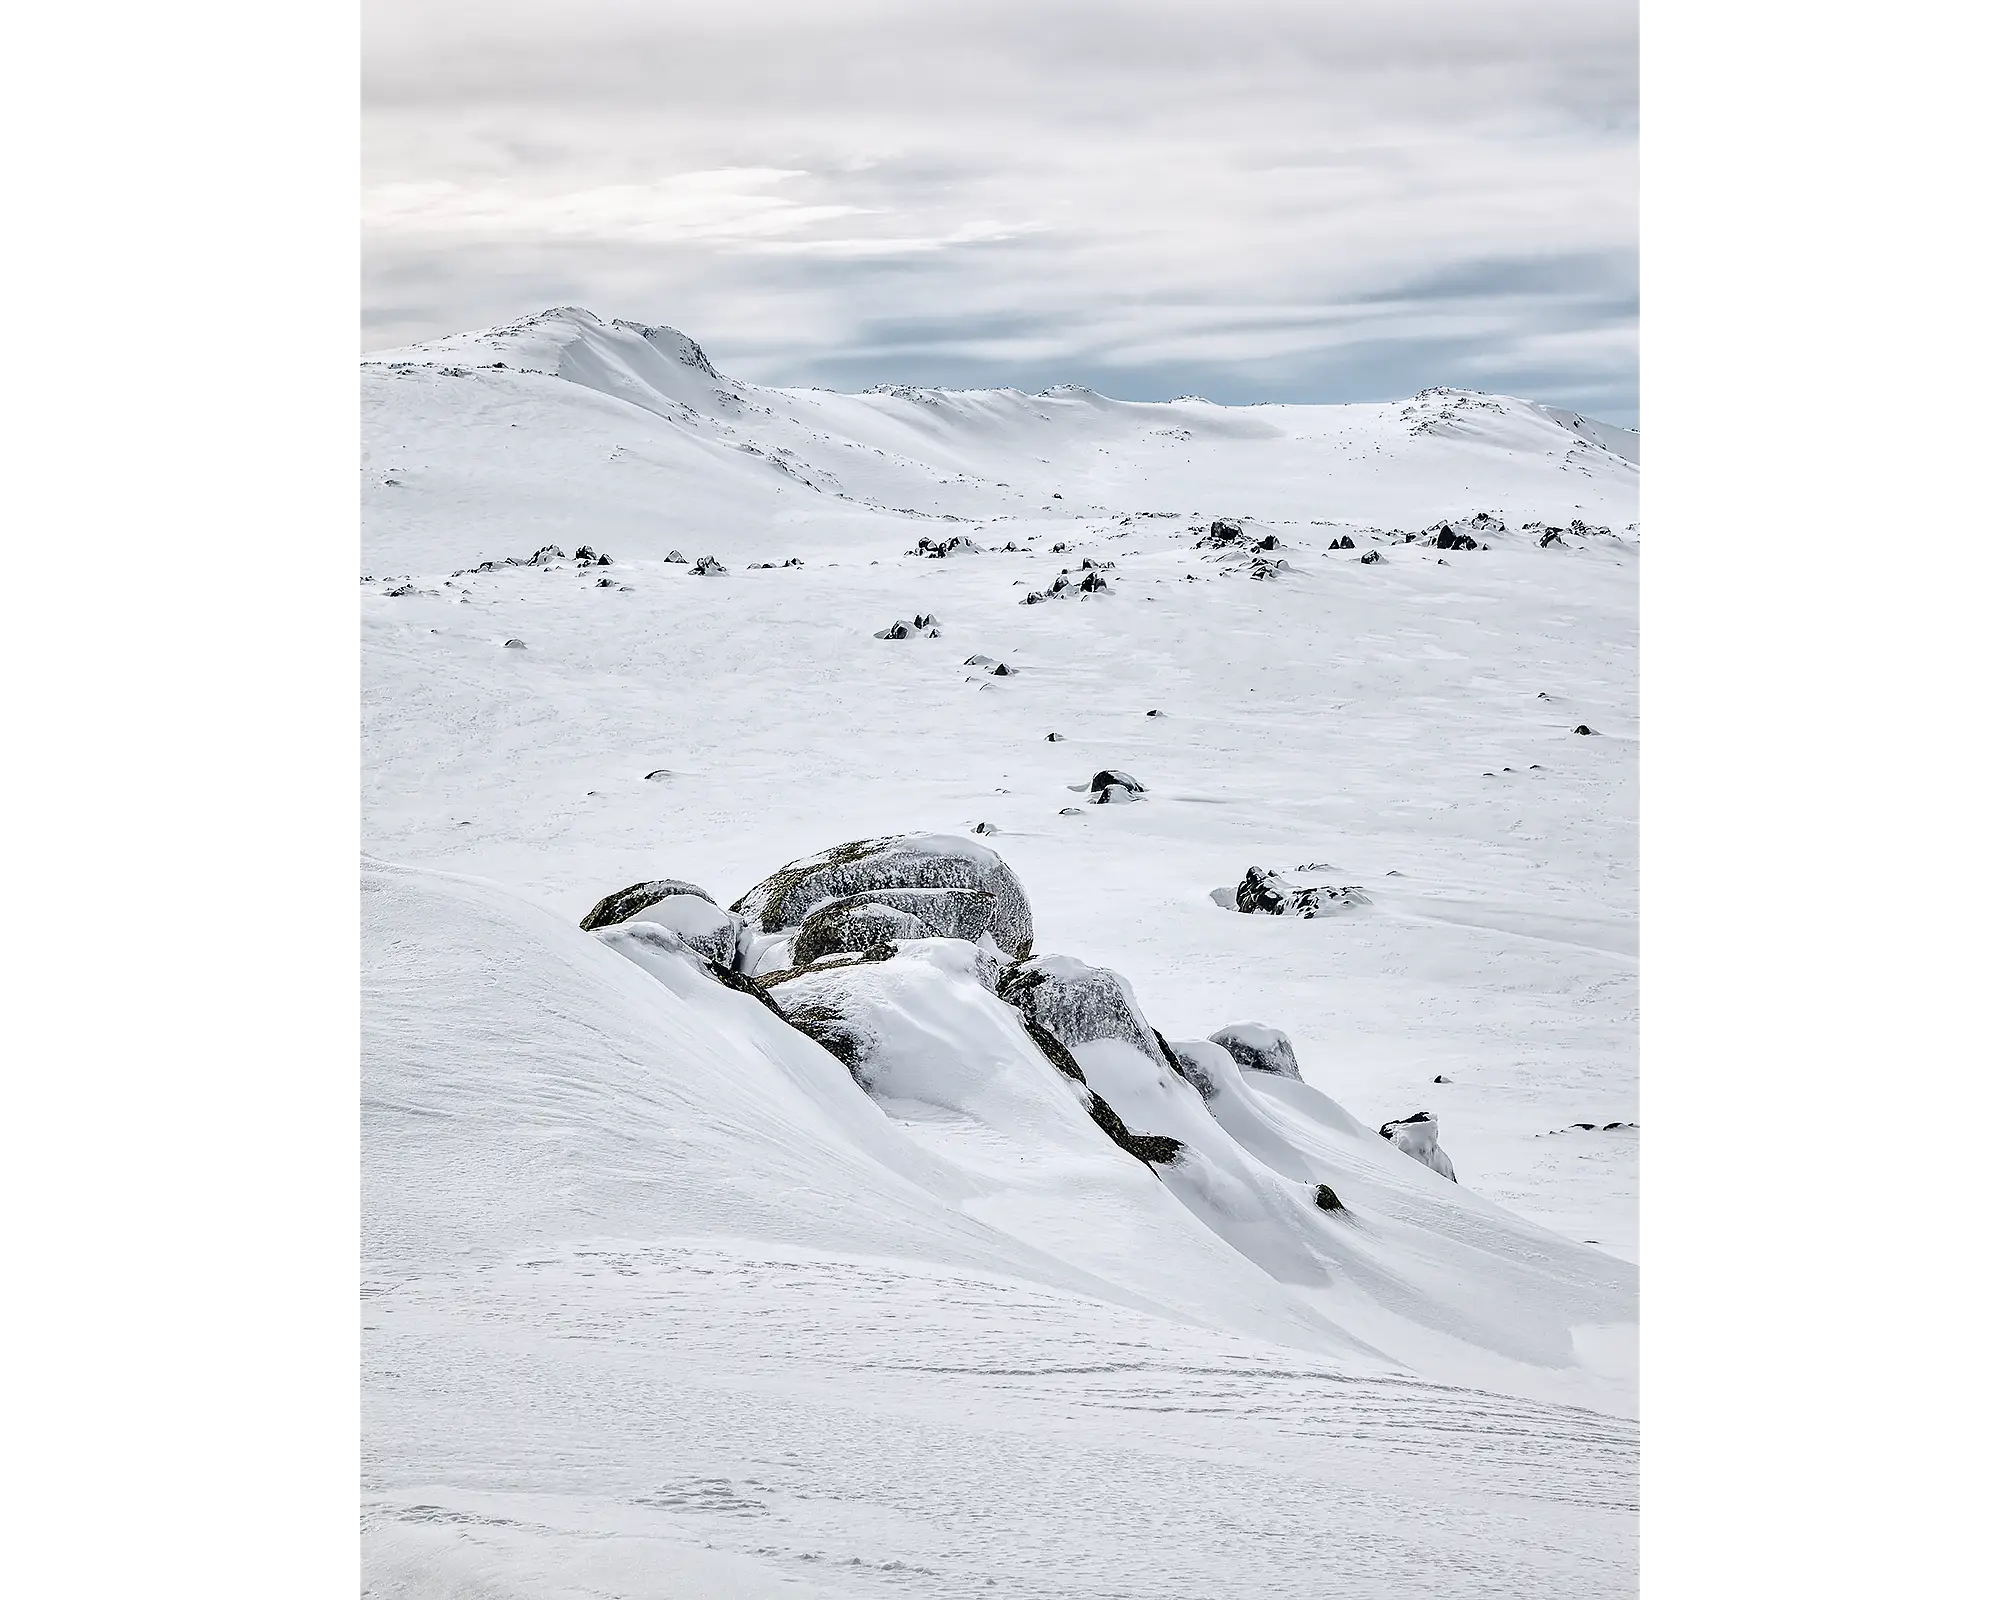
[(956, 544), (923, 625), (1065, 587), (548, 555), (1266, 892)]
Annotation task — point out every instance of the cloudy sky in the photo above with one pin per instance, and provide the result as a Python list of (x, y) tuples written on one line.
[(1246, 199)]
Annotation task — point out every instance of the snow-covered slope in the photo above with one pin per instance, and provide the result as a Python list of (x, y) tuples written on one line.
[(611, 433), (663, 1298)]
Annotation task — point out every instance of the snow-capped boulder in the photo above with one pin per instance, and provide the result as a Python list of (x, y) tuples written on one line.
[(683, 908), (857, 921), (902, 862), (1369, 558), (708, 930), (1267, 892), (1080, 1004), (629, 902), (675, 556), (1258, 1048), (706, 567), (1417, 1135), (1102, 783)]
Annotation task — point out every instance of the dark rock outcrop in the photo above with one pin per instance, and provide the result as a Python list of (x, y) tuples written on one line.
[(1079, 1003), (1258, 1048), (629, 902), (902, 862), (857, 921), (1269, 893)]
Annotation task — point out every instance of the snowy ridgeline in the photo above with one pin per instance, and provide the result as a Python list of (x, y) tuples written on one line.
[(625, 426)]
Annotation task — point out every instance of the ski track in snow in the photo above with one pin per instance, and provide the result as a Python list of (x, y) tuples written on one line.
[(640, 1320)]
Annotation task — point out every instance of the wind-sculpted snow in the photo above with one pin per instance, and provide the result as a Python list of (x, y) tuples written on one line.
[(1417, 1136), (826, 1269)]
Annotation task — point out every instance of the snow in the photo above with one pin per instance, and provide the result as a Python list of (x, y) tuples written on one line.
[(660, 1298)]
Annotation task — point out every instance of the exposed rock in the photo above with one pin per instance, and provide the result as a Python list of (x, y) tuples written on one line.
[(1079, 1003), (1112, 777), (935, 549), (1258, 1048), (1370, 557), (707, 566), (1053, 738), (1263, 567), (658, 775), (858, 921), (1270, 893), (848, 927), (516, 644), (1326, 1199), (924, 619), (895, 630), (1155, 713), (675, 555), (1417, 1135), (1553, 536), (1447, 539), (546, 556), (902, 862), (628, 903), (1583, 727), (1344, 542), (984, 827), (1070, 811)]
